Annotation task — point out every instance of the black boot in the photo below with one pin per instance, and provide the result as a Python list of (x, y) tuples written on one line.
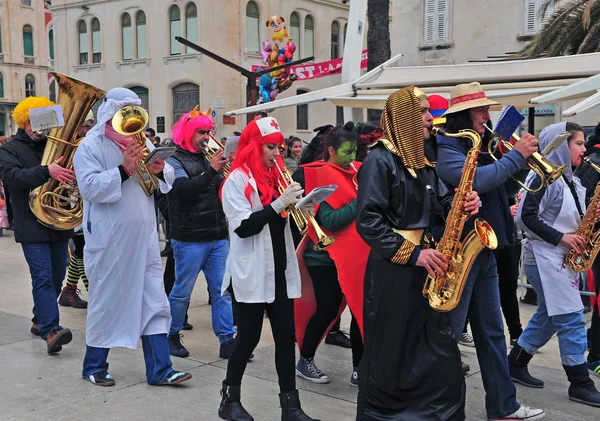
[(582, 388), (231, 408), (290, 408), (517, 366)]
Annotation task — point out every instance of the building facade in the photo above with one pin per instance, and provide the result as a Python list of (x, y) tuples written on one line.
[(131, 43), (26, 57)]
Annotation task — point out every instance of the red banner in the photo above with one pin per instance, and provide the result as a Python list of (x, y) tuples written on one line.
[(315, 70)]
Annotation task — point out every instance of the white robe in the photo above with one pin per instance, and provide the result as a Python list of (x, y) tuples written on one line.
[(122, 258)]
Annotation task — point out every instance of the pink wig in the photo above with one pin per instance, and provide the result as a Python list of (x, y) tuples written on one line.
[(185, 128)]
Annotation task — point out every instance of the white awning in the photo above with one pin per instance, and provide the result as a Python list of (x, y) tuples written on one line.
[(514, 82), (586, 104), (580, 89)]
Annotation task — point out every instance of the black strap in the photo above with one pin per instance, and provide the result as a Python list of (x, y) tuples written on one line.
[(574, 193), (435, 201)]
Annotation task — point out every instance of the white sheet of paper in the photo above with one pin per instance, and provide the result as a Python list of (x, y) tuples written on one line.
[(316, 196), (46, 118), (231, 146)]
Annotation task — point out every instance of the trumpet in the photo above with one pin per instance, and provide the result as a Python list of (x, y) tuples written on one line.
[(537, 162), (301, 217), (210, 153)]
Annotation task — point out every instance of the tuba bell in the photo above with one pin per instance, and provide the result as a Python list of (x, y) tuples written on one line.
[(130, 121), (60, 206)]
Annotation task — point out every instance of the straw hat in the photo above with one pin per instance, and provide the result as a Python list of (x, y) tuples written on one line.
[(466, 96)]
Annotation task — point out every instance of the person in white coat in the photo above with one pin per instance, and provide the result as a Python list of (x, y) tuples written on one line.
[(127, 300), (261, 270), (550, 219)]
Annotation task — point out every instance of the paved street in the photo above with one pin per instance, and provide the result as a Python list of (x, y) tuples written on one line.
[(38, 386)]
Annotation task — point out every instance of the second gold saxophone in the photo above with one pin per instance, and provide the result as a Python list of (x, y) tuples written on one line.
[(444, 291), (583, 262)]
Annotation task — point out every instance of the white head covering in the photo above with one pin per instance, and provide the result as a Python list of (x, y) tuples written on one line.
[(114, 100)]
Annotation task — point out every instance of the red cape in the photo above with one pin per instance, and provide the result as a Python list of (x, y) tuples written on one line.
[(349, 252)]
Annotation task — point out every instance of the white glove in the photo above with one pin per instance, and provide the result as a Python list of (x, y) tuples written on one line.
[(290, 196)]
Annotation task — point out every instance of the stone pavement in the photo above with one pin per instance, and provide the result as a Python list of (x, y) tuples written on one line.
[(35, 385)]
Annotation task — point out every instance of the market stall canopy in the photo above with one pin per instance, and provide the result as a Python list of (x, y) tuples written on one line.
[(511, 82)]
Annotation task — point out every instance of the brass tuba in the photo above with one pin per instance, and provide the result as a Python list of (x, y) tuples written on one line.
[(130, 121), (583, 262), (537, 162), (60, 206), (444, 291), (302, 218)]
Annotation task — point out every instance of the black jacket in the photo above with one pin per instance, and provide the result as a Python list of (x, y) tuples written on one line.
[(589, 176), (21, 172), (195, 210)]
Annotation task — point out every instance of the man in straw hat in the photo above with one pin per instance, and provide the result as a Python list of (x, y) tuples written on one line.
[(469, 109), (45, 249), (411, 367)]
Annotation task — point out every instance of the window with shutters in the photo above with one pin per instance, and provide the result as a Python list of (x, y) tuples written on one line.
[(83, 42), (51, 43), (144, 96), (536, 15), (301, 113), (1, 87), (191, 23), (126, 36), (28, 40), (2, 124), (335, 40), (252, 27), (437, 14), (52, 96), (175, 29), (309, 36), (0, 38), (29, 86), (140, 35), (295, 29), (96, 41)]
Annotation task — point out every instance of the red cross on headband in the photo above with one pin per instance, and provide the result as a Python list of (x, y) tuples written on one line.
[(267, 126)]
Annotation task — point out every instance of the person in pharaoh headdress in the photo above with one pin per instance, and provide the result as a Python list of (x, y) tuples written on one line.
[(411, 366)]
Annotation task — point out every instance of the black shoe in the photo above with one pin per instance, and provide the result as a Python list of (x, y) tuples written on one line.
[(175, 377), (69, 297), (354, 377), (227, 348), (166, 250), (465, 368), (529, 299), (101, 378), (338, 338), (187, 326), (176, 349), (290, 407), (518, 359), (231, 408), (582, 388), (35, 329)]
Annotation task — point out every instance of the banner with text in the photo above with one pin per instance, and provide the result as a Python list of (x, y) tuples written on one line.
[(315, 70)]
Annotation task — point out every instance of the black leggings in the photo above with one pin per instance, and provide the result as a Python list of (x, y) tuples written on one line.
[(328, 295), (507, 259), (249, 328)]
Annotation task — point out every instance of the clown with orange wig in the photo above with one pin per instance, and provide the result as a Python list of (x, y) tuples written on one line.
[(262, 269), (198, 230)]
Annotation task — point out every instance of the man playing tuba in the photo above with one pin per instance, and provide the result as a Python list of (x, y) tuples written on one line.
[(122, 257), (45, 249)]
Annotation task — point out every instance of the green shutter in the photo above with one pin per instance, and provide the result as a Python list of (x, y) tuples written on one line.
[(51, 43), (28, 44)]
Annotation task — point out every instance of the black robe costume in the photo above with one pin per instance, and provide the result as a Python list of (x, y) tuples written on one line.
[(411, 368)]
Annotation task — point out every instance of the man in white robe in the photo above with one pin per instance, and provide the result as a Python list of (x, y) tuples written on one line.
[(127, 299)]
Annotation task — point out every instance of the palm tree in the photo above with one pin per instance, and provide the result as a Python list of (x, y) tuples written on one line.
[(378, 40), (572, 29)]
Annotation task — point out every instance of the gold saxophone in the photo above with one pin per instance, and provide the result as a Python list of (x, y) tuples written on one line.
[(444, 291), (583, 262), (60, 206)]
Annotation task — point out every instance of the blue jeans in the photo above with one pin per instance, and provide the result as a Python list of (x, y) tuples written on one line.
[(481, 301), (156, 356), (570, 328), (190, 259), (47, 266)]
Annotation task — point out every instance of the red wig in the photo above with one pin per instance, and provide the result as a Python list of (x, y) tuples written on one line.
[(186, 126), (249, 157)]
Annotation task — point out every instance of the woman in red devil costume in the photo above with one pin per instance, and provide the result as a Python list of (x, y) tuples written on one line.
[(332, 277)]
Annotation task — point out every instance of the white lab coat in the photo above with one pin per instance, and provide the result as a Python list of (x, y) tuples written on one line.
[(121, 255), (250, 265)]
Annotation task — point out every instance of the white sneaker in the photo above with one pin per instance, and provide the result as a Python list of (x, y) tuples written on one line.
[(523, 413), (466, 339)]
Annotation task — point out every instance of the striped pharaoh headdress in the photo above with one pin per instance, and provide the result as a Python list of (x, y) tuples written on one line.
[(402, 125)]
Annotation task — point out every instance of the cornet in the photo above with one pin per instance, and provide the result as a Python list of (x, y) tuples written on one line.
[(537, 162), (302, 217)]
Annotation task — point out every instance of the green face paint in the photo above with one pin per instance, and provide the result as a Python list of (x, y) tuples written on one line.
[(345, 155)]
